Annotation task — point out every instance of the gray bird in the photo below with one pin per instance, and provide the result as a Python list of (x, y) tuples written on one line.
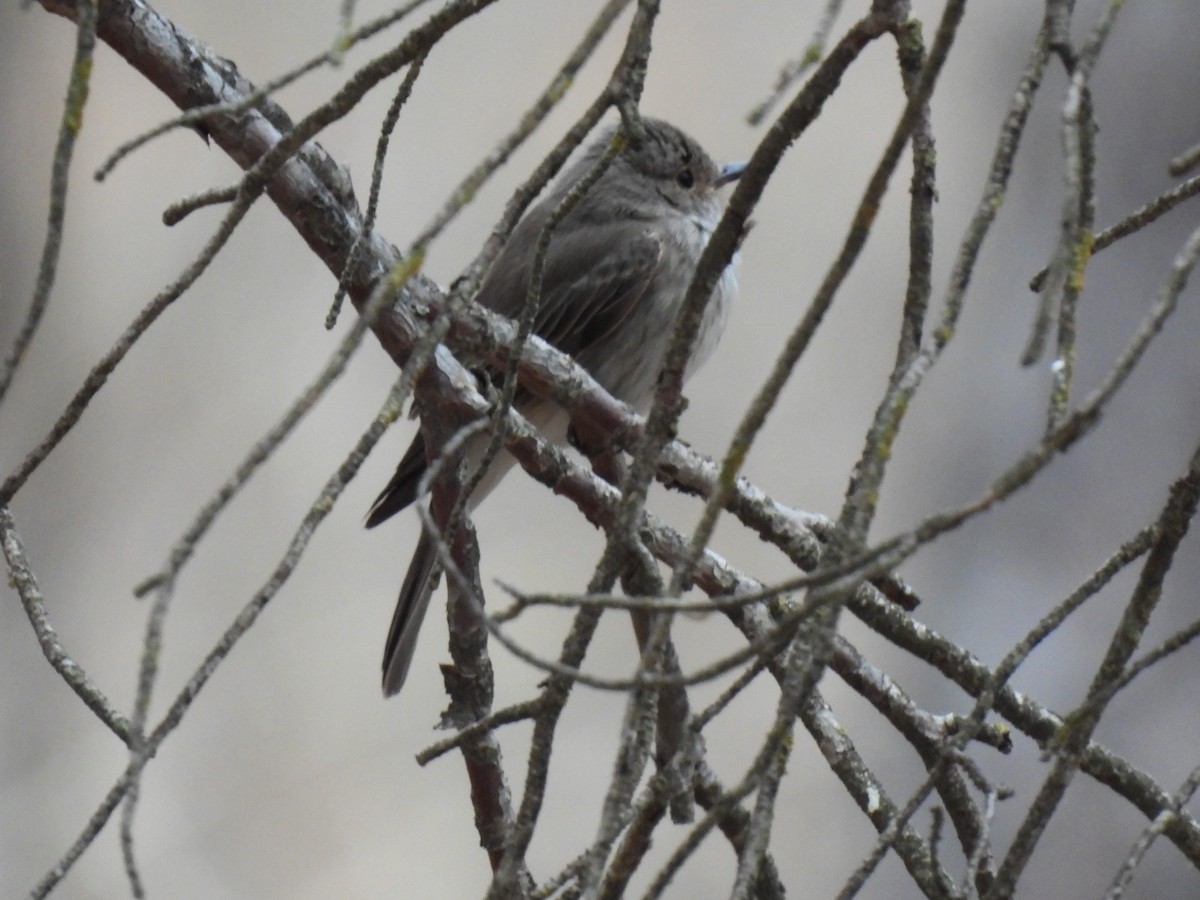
[(616, 272)]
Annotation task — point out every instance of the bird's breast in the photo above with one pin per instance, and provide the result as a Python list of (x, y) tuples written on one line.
[(630, 369)]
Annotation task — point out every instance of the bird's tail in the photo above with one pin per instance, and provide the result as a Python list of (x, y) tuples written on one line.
[(419, 583)]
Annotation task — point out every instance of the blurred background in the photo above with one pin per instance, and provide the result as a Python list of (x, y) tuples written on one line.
[(290, 776)]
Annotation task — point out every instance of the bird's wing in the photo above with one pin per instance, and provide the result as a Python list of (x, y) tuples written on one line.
[(594, 277), (402, 489)]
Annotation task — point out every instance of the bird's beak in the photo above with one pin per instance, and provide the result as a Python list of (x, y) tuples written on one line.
[(729, 172)]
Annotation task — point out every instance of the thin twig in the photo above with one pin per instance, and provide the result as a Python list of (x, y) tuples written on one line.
[(201, 116), (1142, 845), (69, 127), (22, 578), (808, 58), (1135, 221), (391, 117), (1074, 738), (234, 633)]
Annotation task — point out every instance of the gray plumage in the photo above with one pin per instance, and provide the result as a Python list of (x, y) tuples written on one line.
[(616, 272)]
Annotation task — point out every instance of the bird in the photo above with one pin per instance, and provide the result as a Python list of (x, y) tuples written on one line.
[(615, 275)]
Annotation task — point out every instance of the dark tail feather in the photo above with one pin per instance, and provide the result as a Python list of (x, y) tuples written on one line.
[(410, 611)]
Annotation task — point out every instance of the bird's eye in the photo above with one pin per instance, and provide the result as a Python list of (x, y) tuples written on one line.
[(685, 179)]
